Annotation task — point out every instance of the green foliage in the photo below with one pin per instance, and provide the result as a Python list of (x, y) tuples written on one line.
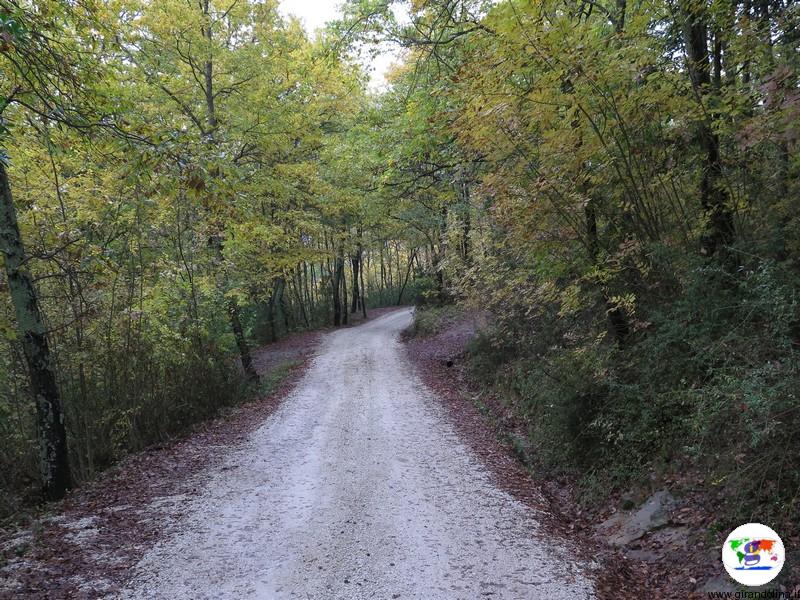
[(711, 384), (431, 320), (186, 178), (616, 184), (270, 382)]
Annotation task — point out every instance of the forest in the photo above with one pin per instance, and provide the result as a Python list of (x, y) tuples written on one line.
[(612, 185)]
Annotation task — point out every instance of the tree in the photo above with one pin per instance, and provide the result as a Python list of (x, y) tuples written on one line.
[(41, 78), (54, 461)]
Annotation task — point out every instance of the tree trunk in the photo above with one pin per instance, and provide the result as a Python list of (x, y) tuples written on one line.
[(405, 281), (298, 289), (619, 16), (363, 289), (211, 118), (383, 284), (719, 227), (355, 262), (343, 279), (467, 225), (592, 242), (288, 313), (241, 341), (54, 458), (274, 300), (336, 284)]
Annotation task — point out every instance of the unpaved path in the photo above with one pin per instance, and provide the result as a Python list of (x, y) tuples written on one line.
[(356, 487)]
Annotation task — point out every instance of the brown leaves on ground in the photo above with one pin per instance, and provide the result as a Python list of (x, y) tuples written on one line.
[(440, 361)]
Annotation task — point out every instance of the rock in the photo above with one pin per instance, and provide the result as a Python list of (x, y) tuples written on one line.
[(670, 538), (644, 555), (624, 527)]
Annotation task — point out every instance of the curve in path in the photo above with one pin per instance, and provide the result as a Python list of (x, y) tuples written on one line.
[(356, 487)]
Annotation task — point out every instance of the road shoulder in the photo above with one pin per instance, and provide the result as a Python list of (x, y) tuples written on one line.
[(489, 430)]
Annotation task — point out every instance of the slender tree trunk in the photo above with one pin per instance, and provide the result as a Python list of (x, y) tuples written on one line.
[(390, 277), (466, 225), (288, 313), (345, 314), (619, 16), (274, 299), (335, 289), (307, 289), (241, 341), (746, 75), (355, 262), (298, 289), (719, 228), (405, 281), (211, 118), (383, 274), (54, 458), (363, 289), (592, 242)]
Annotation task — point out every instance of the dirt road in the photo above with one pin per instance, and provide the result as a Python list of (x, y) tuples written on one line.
[(356, 487)]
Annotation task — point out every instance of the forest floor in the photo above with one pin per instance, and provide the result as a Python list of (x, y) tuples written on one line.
[(349, 482)]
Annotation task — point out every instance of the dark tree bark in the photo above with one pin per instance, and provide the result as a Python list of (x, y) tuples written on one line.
[(619, 16), (441, 256), (298, 289), (54, 458), (719, 229), (592, 242), (274, 300), (343, 279), (466, 250), (336, 285), (618, 321), (383, 275), (363, 290), (355, 263), (241, 341), (746, 9), (405, 281), (287, 312)]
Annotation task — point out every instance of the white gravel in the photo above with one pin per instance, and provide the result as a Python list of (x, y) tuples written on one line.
[(356, 487)]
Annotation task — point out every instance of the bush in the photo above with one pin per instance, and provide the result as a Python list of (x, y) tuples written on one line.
[(117, 398), (709, 380)]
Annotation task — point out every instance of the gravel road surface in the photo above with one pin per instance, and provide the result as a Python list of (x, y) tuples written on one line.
[(356, 487)]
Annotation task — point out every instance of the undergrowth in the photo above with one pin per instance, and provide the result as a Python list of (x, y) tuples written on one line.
[(706, 384)]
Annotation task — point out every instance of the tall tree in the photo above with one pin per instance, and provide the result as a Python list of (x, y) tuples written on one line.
[(42, 81)]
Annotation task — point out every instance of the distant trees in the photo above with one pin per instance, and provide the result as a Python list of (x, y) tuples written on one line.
[(190, 179)]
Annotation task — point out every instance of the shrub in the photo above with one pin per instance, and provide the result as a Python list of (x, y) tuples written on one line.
[(709, 379)]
